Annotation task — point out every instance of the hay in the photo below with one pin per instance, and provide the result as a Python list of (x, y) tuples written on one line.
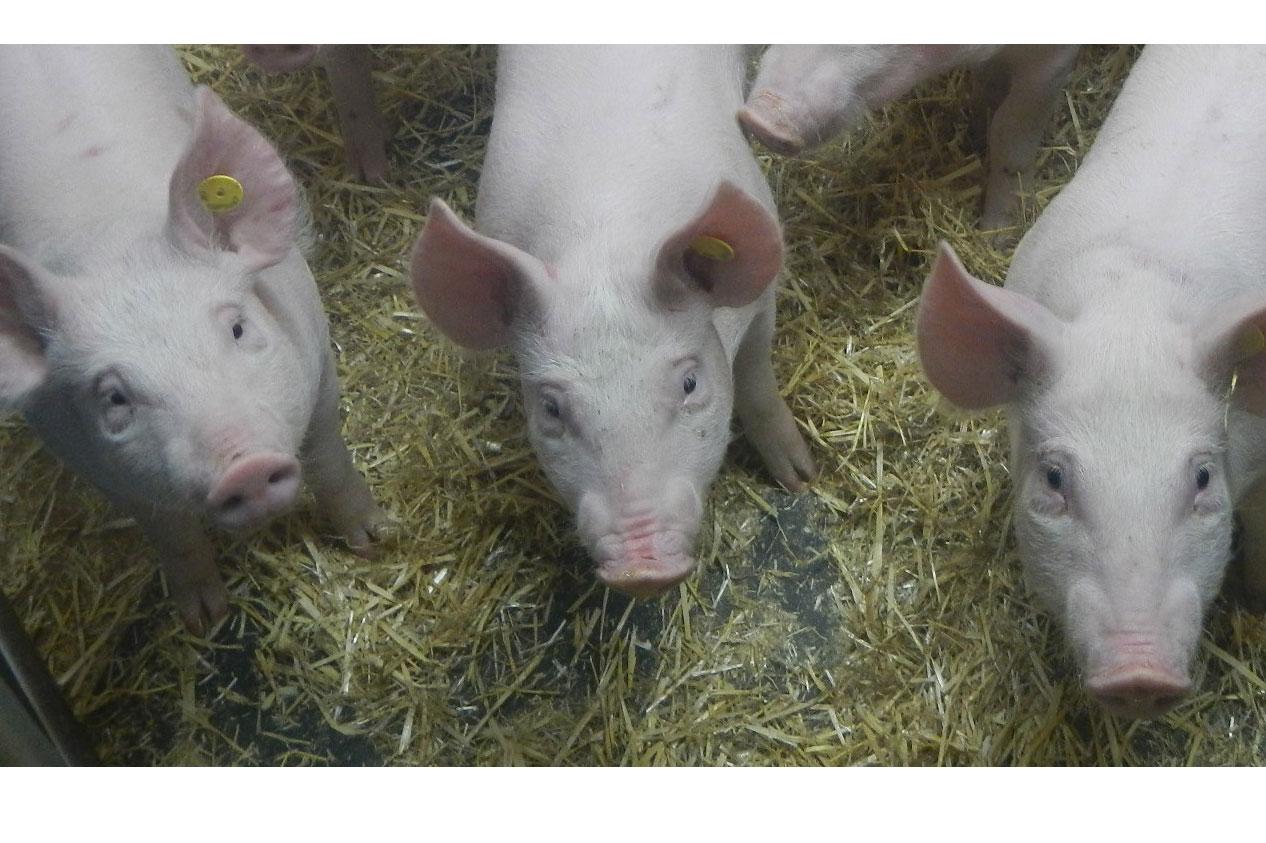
[(878, 619)]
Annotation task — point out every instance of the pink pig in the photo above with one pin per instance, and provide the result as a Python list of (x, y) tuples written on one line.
[(1129, 305), (805, 94), (605, 168), (178, 359)]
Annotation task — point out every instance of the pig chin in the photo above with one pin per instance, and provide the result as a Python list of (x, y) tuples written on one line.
[(642, 546)]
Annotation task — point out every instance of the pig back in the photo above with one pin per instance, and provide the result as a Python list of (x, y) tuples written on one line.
[(1177, 174), (89, 136), (625, 140)]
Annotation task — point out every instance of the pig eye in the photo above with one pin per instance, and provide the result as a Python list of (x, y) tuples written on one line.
[(1054, 478), (116, 406), (550, 403), (1202, 478), (238, 330), (689, 383)]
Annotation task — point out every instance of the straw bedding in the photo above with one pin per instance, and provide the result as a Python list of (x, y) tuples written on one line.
[(878, 618)]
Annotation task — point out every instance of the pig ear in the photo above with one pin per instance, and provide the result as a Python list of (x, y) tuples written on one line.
[(25, 313), (1232, 340), (261, 228), (738, 270), (470, 286), (978, 342)]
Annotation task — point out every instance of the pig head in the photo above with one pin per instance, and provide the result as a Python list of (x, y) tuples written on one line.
[(627, 386), (171, 370), (1123, 491)]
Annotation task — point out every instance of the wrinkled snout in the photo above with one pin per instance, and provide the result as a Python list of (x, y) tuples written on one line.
[(642, 547), (774, 121), (1137, 677), (254, 489), (1139, 691)]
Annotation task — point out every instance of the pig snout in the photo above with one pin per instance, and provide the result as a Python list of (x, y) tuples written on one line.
[(1138, 681), (1140, 692), (642, 550), (774, 122), (253, 489)]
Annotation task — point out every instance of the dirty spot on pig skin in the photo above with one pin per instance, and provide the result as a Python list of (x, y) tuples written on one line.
[(66, 122), (93, 151)]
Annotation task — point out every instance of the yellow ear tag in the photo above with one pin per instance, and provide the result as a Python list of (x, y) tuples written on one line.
[(1251, 342), (220, 193), (712, 248)]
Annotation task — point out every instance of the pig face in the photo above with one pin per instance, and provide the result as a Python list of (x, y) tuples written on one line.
[(167, 371), (627, 386), (1123, 509), (1123, 513)]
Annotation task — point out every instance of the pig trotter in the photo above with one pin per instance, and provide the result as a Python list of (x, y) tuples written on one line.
[(767, 421), (364, 136), (356, 517), (188, 565), (341, 493)]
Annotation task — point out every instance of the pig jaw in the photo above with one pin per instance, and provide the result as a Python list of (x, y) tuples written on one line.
[(642, 547)]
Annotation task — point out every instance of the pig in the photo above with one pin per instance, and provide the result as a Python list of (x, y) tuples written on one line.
[(627, 251), (1128, 309), (805, 94), (177, 359), (347, 66)]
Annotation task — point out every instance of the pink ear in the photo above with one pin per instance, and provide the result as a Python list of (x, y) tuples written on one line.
[(262, 228), (748, 228), (25, 313), (977, 341), (1231, 340), (471, 286)]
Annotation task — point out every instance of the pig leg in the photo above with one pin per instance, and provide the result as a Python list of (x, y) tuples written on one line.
[(188, 564), (990, 82), (1252, 558), (364, 139), (341, 493), (767, 421), (1037, 75)]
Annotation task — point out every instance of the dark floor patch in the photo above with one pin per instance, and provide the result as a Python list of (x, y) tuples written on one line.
[(230, 693), (792, 542)]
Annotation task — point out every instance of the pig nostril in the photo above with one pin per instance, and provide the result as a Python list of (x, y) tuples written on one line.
[(278, 476), (232, 502)]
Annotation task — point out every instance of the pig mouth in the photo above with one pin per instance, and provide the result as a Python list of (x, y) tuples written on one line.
[(643, 560)]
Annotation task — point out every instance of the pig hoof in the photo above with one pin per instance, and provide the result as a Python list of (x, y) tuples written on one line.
[(366, 533), (766, 120), (783, 449), (367, 165), (201, 605)]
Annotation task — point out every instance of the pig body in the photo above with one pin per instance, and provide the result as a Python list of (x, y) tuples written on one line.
[(1128, 306), (176, 359), (604, 167), (348, 68), (806, 94)]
